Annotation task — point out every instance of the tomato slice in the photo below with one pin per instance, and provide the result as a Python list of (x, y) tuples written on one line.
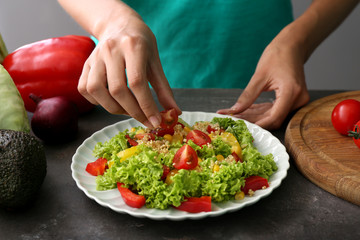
[(160, 132), (254, 183), (198, 137), (236, 157), (185, 158), (169, 118), (149, 136), (166, 171), (131, 141), (196, 205), (131, 199), (97, 167)]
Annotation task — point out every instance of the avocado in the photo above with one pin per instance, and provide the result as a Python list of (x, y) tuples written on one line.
[(22, 168)]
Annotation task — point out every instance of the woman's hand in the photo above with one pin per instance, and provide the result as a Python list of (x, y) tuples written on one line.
[(103, 81), (281, 66), (280, 69), (125, 43)]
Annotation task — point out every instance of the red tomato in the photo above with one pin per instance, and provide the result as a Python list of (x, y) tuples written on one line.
[(198, 137), (149, 136), (196, 205), (236, 157), (182, 125), (131, 141), (131, 199), (254, 183), (160, 132), (166, 171), (169, 118), (345, 115), (355, 134), (97, 167), (210, 129), (185, 158)]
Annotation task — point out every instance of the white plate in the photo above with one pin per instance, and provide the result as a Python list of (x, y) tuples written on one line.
[(264, 141)]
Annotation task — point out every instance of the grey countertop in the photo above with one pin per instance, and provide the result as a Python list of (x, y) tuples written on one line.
[(298, 209)]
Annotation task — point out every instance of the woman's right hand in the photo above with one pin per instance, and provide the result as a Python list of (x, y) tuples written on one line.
[(125, 43), (103, 81)]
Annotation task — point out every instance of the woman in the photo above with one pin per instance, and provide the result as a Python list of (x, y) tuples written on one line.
[(234, 43)]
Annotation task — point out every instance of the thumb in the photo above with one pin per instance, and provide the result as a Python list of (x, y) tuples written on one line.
[(246, 98)]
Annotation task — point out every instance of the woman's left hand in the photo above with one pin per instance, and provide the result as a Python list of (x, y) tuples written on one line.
[(280, 69)]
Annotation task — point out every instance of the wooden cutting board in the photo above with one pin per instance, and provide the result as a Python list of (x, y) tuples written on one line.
[(328, 159)]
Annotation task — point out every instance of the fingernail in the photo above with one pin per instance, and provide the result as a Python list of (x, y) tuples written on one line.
[(155, 121), (235, 107)]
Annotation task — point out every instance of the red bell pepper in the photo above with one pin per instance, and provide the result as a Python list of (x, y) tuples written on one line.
[(196, 205), (131, 199), (50, 68), (254, 183), (96, 168)]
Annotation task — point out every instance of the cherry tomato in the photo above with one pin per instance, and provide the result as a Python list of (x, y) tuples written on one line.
[(97, 167), (236, 157), (160, 132), (131, 141), (196, 205), (149, 136), (210, 129), (169, 118), (179, 123), (355, 134), (131, 199), (198, 137), (185, 158), (345, 115), (254, 183), (166, 171)]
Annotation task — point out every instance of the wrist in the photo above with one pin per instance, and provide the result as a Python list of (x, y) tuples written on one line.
[(114, 20), (293, 41)]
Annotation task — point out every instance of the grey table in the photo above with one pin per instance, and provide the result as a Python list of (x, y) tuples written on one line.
[(298, 209)]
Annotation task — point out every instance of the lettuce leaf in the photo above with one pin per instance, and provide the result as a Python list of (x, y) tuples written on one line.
[(142, 172), (225, 183), (110, 148), (255, 163)]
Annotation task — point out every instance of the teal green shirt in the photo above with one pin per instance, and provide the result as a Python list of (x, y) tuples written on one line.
[(212, 43)]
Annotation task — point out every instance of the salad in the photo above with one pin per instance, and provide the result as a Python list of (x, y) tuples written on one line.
[(182, 166)]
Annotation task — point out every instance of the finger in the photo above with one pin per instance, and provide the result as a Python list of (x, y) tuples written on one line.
[(83, 83), (161, 87), (255, 112), (115, 67), (138, 83), (97, 88), (247, 97), (279, 111)]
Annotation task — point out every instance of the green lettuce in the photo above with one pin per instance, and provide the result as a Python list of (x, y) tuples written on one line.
[(142, 172), (110, 148), (254, 162)]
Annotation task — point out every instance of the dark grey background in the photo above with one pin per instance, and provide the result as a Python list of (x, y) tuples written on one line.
[(334, 65)]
